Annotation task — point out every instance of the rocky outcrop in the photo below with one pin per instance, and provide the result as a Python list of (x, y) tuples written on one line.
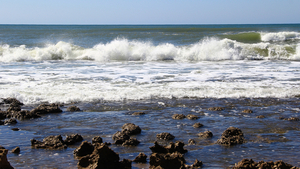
[(172, 148), (10, 121), (101, 157), (165, 136), (192, 117), (84, 149), (16, 150), (97, 139), (215, 108), (120, 138), (205, 134), (167, 161), (250, 164), (232, 136), (46, 109), (73, 108), (197, 125), (123, 137), (141, 158), (138, 113), (72, 139), (4, 164), (131, 129), (247, 111), (192, 142), (178, 116)]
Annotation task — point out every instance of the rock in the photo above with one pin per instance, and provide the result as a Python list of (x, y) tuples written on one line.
[(215, 108), (2, 115), (84, 149), (173, 147), (4, 164), (192, 117), (232, 136), (10, 121), (131, 129), (46, 109), (50, 142), (131, 142), (97, 139), (23, 114), (1, 122), (247, 111), (197, 164), (178, 116), (206, 134), (250, 164), (293, 119), (15, 129), (16, 150), (14, 107), (165, 136), (138, 113), (73, 108), (103, 157), (120, 137), (141, 158), (12, 101), (197, 125), (192, 142), (260, 117), (167, 161), (72, 139)]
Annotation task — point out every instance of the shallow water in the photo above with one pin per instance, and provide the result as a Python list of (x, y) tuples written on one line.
[(267, 139)]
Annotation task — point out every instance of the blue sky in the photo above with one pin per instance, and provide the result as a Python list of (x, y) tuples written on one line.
[(149, 11)]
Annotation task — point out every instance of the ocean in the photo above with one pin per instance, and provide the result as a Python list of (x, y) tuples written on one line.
[(111, 71)]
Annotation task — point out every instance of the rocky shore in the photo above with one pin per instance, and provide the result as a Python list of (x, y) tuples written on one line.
[(165, 153)]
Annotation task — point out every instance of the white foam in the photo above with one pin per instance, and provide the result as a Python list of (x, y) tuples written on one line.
[(280, 36)]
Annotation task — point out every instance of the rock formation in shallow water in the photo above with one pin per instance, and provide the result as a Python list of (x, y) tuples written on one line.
[(141, 158), (172, 148), (46, 109), (4, 164), (178, 116), (165, 136), (167, 161), (131, 129), (206, 134), (232, 136), (73, 108), (250, 164)]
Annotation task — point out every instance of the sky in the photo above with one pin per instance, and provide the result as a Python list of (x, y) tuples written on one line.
[(149, 11)]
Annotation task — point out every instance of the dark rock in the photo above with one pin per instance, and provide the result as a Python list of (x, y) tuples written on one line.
[(13, 107), (16, 150), (165, 136), (131, 142), (138, 113), (206, 134), (73, 108), (103, 157), (131, 129), (12, 101), (10, 121), (84, 149), (15, 129), (1, 122), (167, 161), (178, 116), (250, 164), (192, 117), (247, 111), (72, 139), (197, 125), (4, 164), (50, 142), (232, 136), (197, 164), (97, 139), (46, 109), (120, 137), (260, 117), (192, 142), (23, 114), (215, 108), (173, 147), (2, 115), (293, 119), (141, 158)]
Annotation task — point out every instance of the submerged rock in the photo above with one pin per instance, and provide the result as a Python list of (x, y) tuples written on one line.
[(141, 158), (165, 136), (247, 111), (138, 113), (167, 161), (197, 125), (215, 108), (73, 108), (4, 164), (178, 116), (206, 134), (192, 117), (250, 164), (232, 136), (16, 150), (173, 147), (260, 117)]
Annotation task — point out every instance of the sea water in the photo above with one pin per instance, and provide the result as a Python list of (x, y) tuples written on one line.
[(110, 71)]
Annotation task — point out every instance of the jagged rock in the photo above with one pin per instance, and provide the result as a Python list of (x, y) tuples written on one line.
[(141, 158), (10, 121), (192, 117), (84, 149), (206, 134), (197, 125), (4, 164), (178, 116), (250, 164), (165, 136), (232, 136), (260, 117), (97, 139), (167, 161), (131, 129), (192, 142), (173, 147), (23, 114), (120, 137), (131, 142), (12, 101), (46, 109), (247, 111), (16, 150), (73, 108), (103, 157), (197, 164), (50, 142), (215, 108), (72, 139), (138, 113)]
